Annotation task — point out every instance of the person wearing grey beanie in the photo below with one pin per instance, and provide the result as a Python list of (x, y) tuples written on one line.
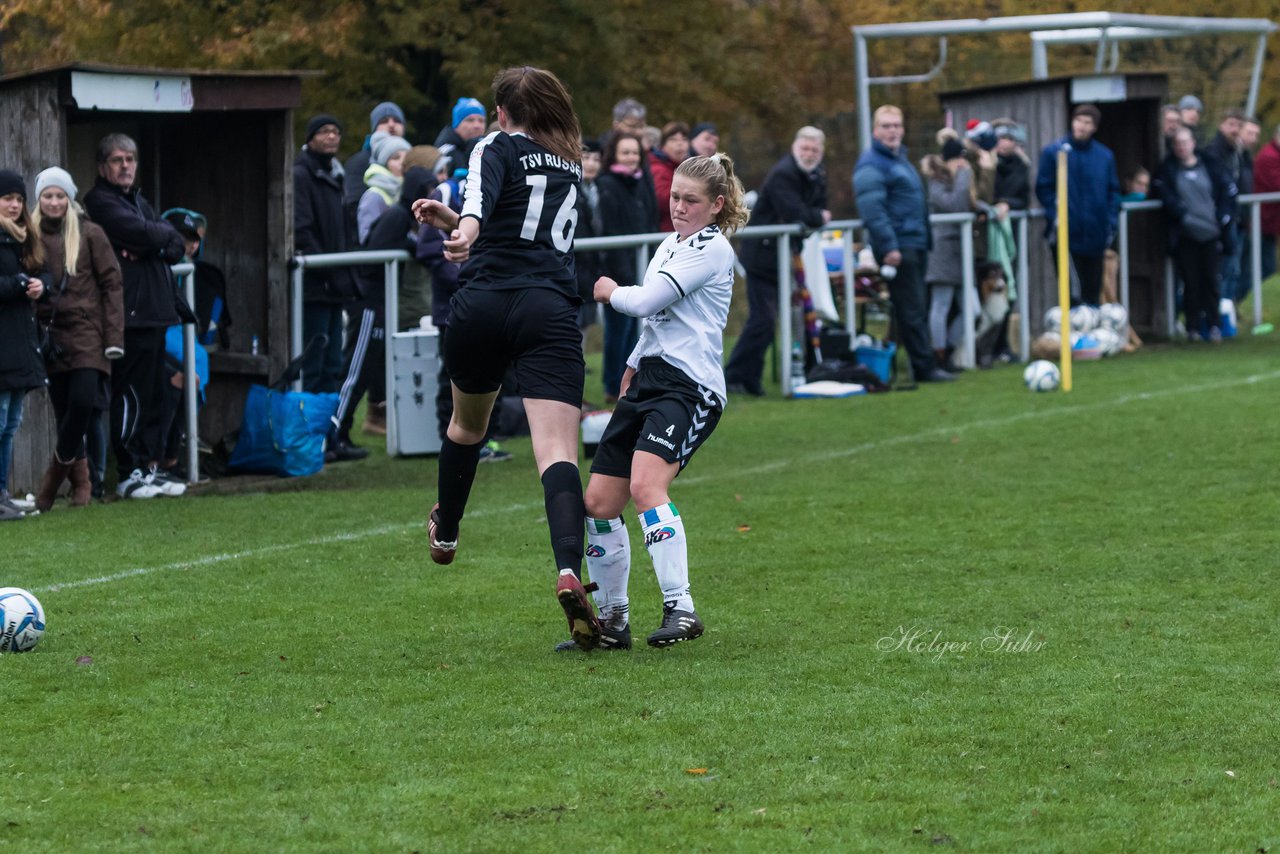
[(56, 176), (386, 116), (386, 119), (383, 179)]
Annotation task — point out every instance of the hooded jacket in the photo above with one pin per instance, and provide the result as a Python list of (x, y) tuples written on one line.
[(1175, 210), (395, 229), (1093, 193), (145, 246), (21, 367), (319, 226), (86, 309)]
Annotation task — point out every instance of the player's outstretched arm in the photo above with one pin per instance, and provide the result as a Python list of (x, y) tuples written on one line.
[(435, 213)]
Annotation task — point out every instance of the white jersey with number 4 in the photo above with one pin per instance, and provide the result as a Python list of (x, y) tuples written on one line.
[(689, 333)]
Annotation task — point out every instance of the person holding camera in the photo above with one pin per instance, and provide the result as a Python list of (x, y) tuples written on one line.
[(22, 281), (84, 316)]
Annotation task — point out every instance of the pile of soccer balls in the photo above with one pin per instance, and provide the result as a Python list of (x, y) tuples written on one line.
[(21, 620), (1095, 331)]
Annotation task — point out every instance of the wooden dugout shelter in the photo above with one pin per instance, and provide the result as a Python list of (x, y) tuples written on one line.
[(217, 142)]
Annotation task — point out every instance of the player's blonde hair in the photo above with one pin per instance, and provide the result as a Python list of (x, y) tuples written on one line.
[(716, 174)]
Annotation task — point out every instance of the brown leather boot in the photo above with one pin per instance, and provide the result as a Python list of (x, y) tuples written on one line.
[(375, 421), (54, 475), (81, 485)]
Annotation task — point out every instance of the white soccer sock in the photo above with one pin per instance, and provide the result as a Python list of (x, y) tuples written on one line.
[(664, 538), (609, 565)]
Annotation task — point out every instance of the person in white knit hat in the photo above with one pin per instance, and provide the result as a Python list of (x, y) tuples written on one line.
[(85, 318)]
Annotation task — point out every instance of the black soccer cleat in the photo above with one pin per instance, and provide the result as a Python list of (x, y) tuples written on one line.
[(610, 639), (676, 626)]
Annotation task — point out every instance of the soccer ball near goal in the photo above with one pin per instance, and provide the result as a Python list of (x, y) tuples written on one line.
[(21, 620), (1107, 339), (1053, 319), (1114, 317), (1084, 318), (1041, 376)]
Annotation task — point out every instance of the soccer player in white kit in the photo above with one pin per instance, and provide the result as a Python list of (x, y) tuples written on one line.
[(673, 394)]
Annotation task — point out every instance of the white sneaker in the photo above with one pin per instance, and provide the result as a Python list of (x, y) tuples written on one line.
[(166, 484), (137, 485)]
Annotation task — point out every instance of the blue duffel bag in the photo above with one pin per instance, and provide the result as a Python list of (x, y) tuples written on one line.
[(283, 432)]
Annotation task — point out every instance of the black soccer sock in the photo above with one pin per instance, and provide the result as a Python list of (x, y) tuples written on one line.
[(457, 471), (566, 514)]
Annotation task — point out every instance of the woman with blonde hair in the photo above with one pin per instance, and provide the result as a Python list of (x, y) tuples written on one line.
[(84, 314), (673, 391)]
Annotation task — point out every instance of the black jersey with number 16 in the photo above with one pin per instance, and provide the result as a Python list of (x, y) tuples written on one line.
[(524, 197)]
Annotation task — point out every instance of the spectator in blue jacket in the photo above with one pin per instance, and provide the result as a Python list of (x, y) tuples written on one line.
[(1093, 198), (891, 201)]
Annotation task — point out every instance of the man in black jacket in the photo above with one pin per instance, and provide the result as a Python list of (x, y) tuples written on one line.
[(319, 227), (145, 246), (794, 191)]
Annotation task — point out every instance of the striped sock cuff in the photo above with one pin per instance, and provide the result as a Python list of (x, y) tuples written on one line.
[(604, 526), (661, 513)]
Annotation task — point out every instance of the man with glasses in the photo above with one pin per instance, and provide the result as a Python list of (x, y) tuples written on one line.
[(319, 227), (145, 246)]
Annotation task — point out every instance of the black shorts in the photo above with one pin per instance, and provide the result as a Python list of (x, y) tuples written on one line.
[(663, 412), (533, 330)]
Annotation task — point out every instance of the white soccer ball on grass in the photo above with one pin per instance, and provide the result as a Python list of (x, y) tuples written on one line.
[(1042, 375), (21, 620)]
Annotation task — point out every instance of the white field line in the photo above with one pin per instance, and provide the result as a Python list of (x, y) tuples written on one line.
[(826, 456)]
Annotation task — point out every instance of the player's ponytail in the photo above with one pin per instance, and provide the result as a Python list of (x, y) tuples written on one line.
[(716, 174), (537, 101)]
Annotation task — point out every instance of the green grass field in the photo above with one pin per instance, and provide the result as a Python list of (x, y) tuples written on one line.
[(967, 616)]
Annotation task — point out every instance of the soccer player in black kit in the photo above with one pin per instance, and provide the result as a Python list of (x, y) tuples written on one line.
[(518, 306)]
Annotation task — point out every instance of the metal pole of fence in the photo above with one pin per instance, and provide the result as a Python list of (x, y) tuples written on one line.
[(1122, 247), (295, 317), (1255, 260), (968, 346), (850, 271), (390, 325), (190, 384), (1024, 292), (642, 263), (784, 311), (1170, 300)]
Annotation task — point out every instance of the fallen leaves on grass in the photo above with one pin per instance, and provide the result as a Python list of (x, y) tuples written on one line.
[(759, 811), (84, 660), (1231, 774), (742, 529), (695, 770)]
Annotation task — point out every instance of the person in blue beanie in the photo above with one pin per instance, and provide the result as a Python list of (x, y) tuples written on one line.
[(457, 140)]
